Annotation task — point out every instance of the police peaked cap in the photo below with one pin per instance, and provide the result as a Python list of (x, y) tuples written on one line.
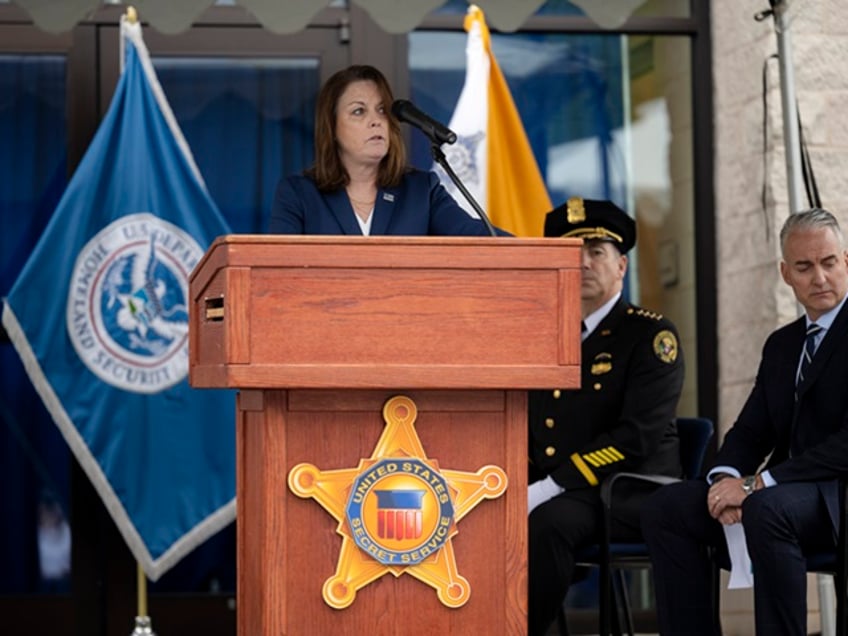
[(592, 219)]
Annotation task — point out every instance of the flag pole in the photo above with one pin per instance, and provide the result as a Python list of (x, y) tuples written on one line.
[(142, 590), (130, 17), (143, 625)]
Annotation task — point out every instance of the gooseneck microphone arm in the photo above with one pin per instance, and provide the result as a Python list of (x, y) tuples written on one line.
[(436, 131), (439, 158), (438, 134)]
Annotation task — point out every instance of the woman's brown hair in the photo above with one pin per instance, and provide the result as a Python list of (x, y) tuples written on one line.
[(328, 171)]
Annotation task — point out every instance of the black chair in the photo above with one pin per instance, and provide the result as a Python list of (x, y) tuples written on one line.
[(613, 558), (836, 563)]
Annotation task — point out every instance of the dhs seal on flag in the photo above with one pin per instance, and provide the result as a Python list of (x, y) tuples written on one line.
[(127, 312)]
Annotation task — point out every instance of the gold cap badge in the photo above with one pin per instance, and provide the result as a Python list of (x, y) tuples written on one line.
[(575, 210), (592, 219)]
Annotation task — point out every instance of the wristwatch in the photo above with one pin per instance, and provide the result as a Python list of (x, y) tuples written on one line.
[(749, 483)]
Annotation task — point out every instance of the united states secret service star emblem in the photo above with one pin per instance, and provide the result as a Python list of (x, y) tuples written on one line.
[(397, 511)]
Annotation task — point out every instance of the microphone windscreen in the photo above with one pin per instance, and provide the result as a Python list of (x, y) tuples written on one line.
[(399, 107)]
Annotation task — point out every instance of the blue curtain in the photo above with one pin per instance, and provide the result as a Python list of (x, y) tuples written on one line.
[(34, 459), (247, 123)]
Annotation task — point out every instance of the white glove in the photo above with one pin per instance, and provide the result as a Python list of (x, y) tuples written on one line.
[(541, 491)]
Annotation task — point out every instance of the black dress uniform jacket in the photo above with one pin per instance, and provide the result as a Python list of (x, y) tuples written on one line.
[(622, 417)]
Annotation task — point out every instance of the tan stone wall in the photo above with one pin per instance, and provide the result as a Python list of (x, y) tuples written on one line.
[(752, 299), (748, 281)]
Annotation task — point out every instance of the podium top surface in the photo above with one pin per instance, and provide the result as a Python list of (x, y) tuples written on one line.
[(279, 311), (276, 250)]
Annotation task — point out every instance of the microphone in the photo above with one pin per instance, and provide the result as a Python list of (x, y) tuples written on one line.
[(438, 133)]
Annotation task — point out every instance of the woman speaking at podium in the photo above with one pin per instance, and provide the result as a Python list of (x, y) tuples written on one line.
[(360, 183)]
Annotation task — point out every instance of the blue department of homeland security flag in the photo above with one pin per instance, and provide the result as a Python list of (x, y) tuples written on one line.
[(99, 316)]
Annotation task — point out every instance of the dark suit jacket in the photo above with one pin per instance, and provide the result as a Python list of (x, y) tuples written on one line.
[(623, 416), (419, 206), (807, 437)]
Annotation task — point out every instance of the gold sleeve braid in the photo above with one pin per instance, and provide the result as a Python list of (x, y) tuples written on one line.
[(584, 469)]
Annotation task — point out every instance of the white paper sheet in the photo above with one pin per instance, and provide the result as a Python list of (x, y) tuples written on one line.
[(741, 575)]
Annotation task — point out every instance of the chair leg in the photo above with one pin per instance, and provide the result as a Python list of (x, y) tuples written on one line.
[(841, 606), (826, 609), (613, 595), (623, 601), (562, 625), (605, 604)]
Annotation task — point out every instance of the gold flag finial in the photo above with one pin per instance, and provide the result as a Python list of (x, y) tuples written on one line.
[(132, 15)]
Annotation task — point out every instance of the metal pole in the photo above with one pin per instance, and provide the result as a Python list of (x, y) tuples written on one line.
[(792, 145)]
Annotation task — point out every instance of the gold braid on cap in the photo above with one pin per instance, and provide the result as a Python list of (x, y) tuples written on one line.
[(594, 233)]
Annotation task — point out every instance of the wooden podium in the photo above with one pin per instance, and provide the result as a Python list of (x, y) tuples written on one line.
[(318, 333)]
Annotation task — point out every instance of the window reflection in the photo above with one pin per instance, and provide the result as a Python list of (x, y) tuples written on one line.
[(54, 545)]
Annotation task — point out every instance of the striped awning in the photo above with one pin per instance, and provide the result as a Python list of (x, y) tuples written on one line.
[(290, 16)]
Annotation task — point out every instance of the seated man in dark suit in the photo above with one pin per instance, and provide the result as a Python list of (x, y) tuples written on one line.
[(621, 419), (795, 422)]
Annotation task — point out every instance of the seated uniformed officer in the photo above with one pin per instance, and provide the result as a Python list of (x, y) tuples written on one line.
[(621, 419)]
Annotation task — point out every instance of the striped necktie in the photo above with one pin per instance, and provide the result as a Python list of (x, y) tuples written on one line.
[(809, 349)]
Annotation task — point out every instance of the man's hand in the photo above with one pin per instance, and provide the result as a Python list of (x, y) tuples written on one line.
[(729, 516), (724, 500)]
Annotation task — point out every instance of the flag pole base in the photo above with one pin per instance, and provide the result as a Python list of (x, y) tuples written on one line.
[(143, 627)]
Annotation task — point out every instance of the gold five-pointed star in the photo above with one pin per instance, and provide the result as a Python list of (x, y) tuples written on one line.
[(397, 511)]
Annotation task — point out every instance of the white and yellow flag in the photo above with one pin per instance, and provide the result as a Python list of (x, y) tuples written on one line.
[(492, 156)]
